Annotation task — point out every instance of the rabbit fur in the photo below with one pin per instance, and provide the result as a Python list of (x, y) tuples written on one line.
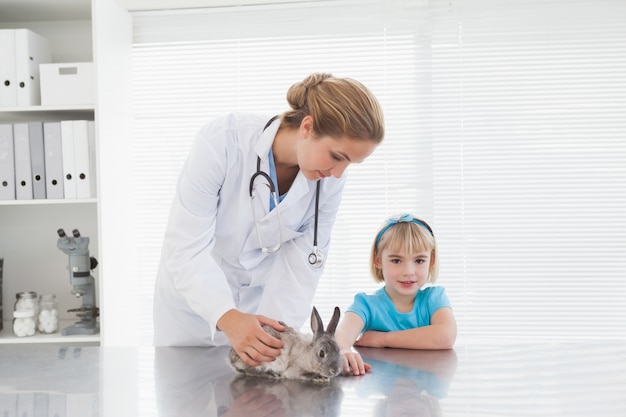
[(313, 357)]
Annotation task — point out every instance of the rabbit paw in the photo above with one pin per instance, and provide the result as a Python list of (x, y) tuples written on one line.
[(317, 378)]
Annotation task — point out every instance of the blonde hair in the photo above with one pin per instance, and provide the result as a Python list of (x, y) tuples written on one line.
[(339, 107), (405, 236)]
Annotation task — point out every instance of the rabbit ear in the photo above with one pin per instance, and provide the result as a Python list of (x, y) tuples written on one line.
[(332, 325), (316, 323)]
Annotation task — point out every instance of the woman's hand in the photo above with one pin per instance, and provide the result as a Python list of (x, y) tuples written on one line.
[(245, 332), (353, 363)]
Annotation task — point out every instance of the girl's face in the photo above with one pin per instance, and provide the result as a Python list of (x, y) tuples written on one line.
[(404, 273), (326, 156)]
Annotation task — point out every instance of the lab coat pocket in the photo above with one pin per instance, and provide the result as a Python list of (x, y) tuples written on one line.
[(268, 237)]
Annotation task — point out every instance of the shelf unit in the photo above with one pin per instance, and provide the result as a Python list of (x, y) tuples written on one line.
[(7, 337), (28, 227), (98, 31)]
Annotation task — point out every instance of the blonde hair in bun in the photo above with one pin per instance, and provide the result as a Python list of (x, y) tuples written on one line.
[(339, 107)]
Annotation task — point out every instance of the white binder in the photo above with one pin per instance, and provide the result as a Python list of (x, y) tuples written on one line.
[(53, 160), (82, 158), (23, 175), (69, 167), (8, 91), (37, 159), (31, 50), (92, 157), (7, 163)]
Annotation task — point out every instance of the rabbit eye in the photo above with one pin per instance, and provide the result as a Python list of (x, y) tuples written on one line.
[(321, 354)]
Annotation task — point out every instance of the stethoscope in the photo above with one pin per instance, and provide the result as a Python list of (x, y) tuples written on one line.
[(315, 258)]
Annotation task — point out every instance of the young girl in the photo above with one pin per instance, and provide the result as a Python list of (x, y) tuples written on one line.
[(402, 314)]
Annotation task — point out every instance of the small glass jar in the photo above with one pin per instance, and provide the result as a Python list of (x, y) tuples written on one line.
[(48, 318), (26, 300), (24, 323), (25, 314)]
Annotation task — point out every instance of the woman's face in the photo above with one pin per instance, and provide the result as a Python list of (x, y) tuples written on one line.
[(327, 156)]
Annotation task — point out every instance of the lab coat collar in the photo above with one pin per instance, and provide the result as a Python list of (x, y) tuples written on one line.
[(301, 186), (265, 142)]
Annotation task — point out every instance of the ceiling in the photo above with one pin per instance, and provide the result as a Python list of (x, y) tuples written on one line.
[(137, 5), (38, 10)]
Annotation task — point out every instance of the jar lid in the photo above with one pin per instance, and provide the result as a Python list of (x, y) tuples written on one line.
[(22, 314), (26, 294)]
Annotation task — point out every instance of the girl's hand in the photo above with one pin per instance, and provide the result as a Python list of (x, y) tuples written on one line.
[(353, 363), (245, 332)]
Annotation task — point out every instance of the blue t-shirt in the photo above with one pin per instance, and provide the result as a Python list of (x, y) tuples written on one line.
[(378, 312)]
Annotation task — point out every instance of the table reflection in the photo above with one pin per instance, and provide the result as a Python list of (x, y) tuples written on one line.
[(408, 382), (49, 381), (574, 380), (260, 397), (191, 381), (200, 381)]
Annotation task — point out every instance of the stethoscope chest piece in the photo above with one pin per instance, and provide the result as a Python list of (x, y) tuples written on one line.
[(315, 258)]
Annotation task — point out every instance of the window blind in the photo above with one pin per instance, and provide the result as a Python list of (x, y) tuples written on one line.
[(505, 131), (529, 166)]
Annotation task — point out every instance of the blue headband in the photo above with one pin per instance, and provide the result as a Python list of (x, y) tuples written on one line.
[(405, 218)]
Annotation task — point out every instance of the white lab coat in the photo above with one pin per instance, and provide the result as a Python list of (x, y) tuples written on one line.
[(211, 259)]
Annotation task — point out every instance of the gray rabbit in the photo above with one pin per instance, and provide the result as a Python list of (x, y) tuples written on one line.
[(313, 357)]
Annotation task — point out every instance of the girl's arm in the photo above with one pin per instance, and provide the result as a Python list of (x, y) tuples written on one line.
[(440, 334), (348, 330)]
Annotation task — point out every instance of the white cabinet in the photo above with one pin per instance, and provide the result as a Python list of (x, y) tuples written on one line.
[(79, 31)]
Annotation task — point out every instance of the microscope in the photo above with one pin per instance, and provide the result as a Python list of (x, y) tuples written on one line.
[(80, 265)]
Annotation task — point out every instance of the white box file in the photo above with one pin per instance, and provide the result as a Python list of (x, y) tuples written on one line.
[(21, 53), (67, 84), (31, 50)]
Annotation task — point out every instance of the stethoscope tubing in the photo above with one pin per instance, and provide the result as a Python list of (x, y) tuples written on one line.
[(315, 258)]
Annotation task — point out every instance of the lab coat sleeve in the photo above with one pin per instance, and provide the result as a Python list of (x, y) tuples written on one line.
[(190, 233), (289, 292)]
